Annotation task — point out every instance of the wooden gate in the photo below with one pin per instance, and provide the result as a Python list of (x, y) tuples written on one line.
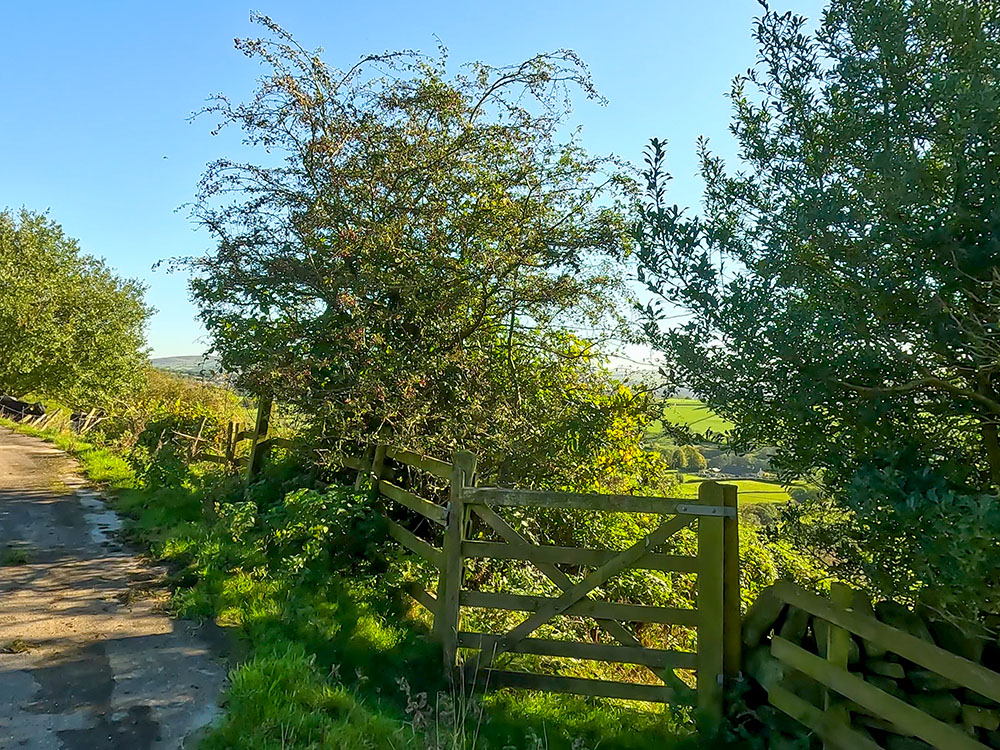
[(716, 618)]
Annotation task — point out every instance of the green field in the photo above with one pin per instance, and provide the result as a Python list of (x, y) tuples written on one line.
[(692, 413), (752, 491)]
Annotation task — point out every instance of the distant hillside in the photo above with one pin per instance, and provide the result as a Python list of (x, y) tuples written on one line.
[(647, 376), (194, 364)]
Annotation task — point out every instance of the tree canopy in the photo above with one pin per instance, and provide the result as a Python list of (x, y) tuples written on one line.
[(70, 329), (410, 253), (842, 284)]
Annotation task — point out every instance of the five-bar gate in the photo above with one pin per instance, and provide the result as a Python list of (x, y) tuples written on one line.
[(420, 524)]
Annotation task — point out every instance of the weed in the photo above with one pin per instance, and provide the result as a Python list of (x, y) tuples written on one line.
[(15, 555), (17, 646)]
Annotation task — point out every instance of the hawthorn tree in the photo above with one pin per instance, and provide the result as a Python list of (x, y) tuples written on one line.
[(409, 253), (842, 284), (70, 329)]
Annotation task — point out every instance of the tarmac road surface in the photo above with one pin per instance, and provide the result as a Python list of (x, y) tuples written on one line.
[(88, 660)]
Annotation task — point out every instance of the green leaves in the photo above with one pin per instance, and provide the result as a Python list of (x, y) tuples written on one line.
[(69, 328), (415, 262), (840, 285)]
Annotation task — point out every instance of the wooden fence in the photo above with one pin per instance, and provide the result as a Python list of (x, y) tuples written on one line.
[(953, 714), (420, 524), (416, 523), (204, 448)]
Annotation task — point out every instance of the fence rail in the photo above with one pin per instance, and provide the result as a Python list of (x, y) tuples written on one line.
[(851, 694)]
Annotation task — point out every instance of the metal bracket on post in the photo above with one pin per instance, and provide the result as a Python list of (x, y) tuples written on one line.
[(687, 509)]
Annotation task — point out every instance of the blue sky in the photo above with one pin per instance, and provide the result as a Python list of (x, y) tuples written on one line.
[(95, 95)]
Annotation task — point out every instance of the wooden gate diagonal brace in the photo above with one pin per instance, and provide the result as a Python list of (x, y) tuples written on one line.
[(615, 629), (578, 591)]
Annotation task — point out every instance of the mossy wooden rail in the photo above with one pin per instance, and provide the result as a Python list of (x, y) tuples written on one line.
[(438, 533), (848, 692)]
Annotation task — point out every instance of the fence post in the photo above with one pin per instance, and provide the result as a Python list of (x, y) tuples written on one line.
[(258, 448), (447, 617), (230, 449), (378, 467), (837, 653), (368, 458), (711, 604), (732, 622)]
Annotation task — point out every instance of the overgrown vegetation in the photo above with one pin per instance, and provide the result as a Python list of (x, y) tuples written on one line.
[(332, 654), (418, 269)]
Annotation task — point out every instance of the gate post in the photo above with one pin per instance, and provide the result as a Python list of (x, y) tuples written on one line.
[(447, 618), (731, 623), (259, 447), (371, 477), (838, 643), (711, 606)]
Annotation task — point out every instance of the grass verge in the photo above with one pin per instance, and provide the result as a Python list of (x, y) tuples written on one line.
[(332, 656)]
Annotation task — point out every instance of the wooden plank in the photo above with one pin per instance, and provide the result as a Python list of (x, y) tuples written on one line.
[(449, 615), (243, 435), (230, 448), (440, 469), (186, 436), (377, 469), (570, 500), (415, 544), (711, 608), (498, 678), (976, 716), (649, 657), (258, 448), (351, 462), (955, 668), (426, 508), (731, 599), (583, 608), (361, 466), (761, 617), (276, 442), (420, 595), (620, 563), (827, 727), (886, 706), (574, 556), (87, 423), (213, 458), (201, 429), (507, 532)]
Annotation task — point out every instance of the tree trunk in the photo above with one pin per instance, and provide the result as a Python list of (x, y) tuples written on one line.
[(991, 438)]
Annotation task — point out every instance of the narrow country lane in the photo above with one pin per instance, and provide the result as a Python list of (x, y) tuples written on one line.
[(87, 658)]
